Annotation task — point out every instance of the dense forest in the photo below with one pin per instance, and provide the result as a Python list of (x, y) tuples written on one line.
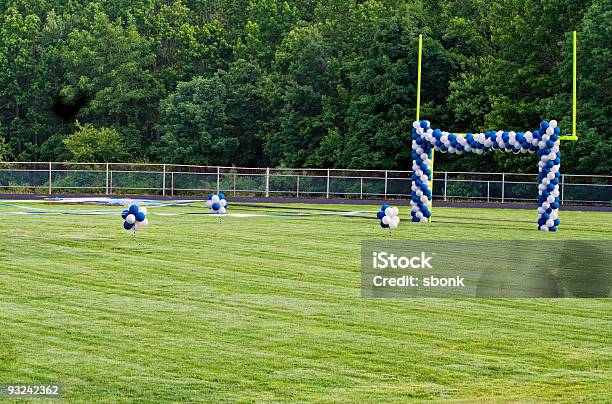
[(304, 83)]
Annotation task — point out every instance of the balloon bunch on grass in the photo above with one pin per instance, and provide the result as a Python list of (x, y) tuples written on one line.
[(217, 203), (388, 216), (135, 217)]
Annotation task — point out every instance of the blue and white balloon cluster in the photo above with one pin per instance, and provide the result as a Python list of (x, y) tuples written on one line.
[(135, 217), (217, 203), (549, 167), (388, 216), (545, 141)]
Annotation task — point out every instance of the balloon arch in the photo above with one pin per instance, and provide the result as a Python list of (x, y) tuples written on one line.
[(544, 141)]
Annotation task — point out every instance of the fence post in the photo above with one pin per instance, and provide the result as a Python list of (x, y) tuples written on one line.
[(164, 182), (172, 183), (107, 178), (297, 186), (361, 188), (218, 179), (267, 182), (488, 191), (562, 188), (386, 176), (110, 182), (445, 184), (503, 187), (234, 184), (50, 178), (327, 191)]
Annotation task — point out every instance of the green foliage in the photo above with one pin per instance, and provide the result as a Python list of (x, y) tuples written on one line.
[(4, 148), (302, 83), (90, 144), (194, 124)]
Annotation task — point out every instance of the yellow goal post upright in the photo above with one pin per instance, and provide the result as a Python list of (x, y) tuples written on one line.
[(573, 136)]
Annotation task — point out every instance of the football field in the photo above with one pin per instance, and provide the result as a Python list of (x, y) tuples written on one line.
[(267, 307)]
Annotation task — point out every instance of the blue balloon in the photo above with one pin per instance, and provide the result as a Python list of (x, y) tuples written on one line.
[(210, 196), (127, 226), (221, 196), (133, 209), (423, 124), (125, 213), (384, 207), (384, 226), (216, 206), (140, 216), (380, 214)]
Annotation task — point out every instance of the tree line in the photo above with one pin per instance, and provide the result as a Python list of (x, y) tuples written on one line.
[(302, 83)]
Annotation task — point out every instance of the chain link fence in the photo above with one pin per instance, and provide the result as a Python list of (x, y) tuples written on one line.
[(182, 180)]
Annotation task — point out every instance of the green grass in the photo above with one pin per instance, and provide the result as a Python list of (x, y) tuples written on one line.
[(269, 309)]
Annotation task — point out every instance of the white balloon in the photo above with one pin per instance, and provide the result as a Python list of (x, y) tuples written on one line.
[(386, 220), (389, 211), (395, 219), (554, 215), (393, 225), (424, 199), (143, 210), (137, 225), (223, 202), (416, 124), (215, 198), (543, 228), (419, 214), (145, 222), (552, 124), (550, 223), (423, 220), (419, 193), (546, 205), (395, 211), (222, 210), (414, 208), (209, 203), (550, 199), (131, 219)]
